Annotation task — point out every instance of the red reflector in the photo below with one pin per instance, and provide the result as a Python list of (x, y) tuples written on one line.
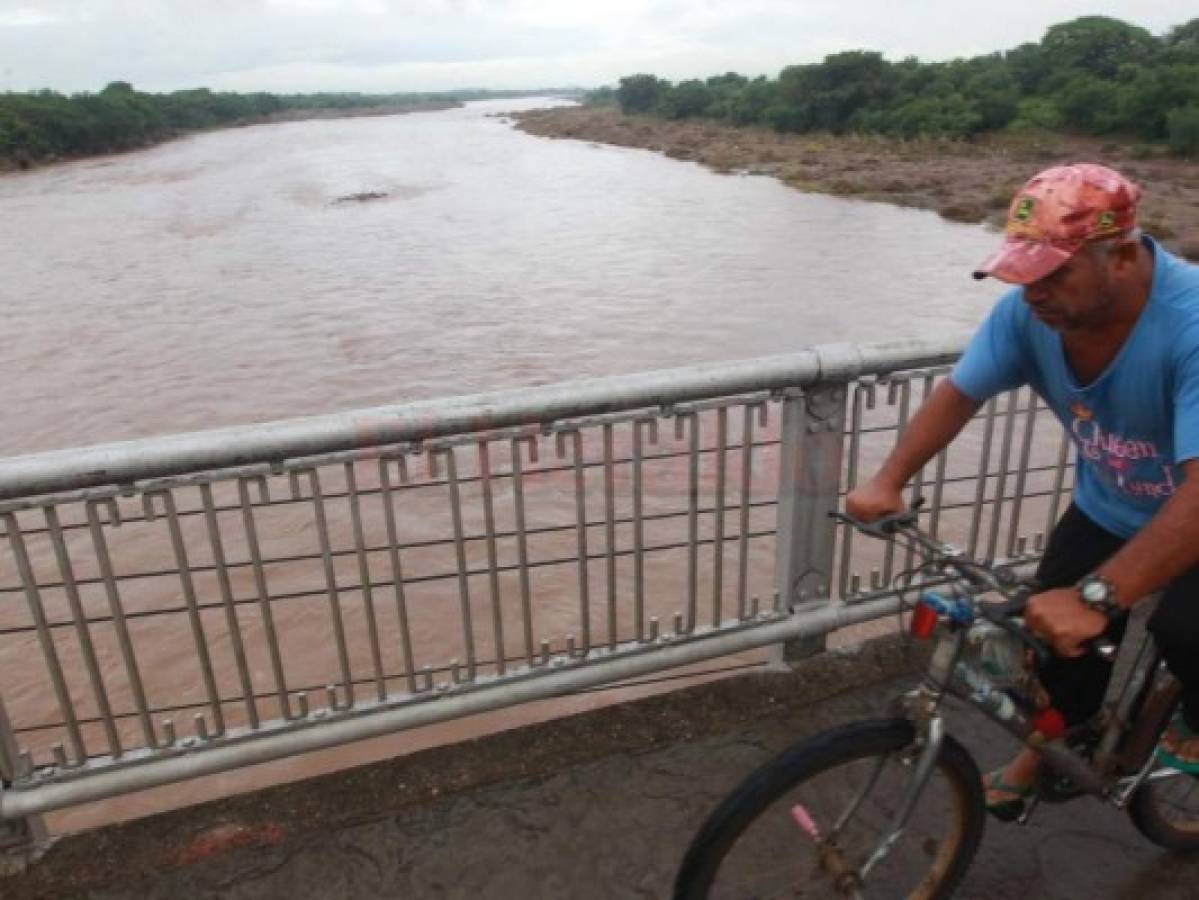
[(1050, 723), (924, 620)]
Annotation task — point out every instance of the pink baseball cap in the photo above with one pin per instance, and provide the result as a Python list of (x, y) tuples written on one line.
[(1054, 214)]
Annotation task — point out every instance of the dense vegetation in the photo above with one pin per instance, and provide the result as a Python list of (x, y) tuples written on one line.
[(46, 125), (1093, 75)]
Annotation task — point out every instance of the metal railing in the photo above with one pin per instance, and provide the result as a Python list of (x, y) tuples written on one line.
[(188, 605)]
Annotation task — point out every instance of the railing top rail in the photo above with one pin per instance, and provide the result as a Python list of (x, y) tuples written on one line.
[(130, 461)]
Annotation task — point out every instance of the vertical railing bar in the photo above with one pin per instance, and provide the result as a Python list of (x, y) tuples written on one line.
[(984, 465), (522, 548), (493, 576), (113, 596), (693, 522), (264, 598), (904, 387), (934, 520), (610, 533), (1059, 478), (468, 636), (44, 636), (747, 435), (24, 839), (918, 479), (851, 482), (193, 611), (231, 620), (335, 612), (722, 442), (83, 632), (1005, 456), (811, 457), (1030, 424), (638, 538), (364, 571), (581, 514), (397, 573), (9, 749)]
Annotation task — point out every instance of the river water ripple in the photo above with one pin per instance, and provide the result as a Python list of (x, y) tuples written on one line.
[(216, 281)]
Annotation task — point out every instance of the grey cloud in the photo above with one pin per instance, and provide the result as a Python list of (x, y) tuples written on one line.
[(162, 44)]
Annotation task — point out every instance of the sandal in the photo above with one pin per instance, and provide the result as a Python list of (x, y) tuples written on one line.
[(1012, 806), (1179, 747)]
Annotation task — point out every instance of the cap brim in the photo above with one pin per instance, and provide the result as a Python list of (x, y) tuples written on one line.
[(1023, 262)]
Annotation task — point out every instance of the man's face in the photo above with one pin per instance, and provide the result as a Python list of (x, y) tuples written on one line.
[(1075, 296)]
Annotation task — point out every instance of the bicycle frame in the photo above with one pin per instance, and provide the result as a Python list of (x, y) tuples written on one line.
[(982, 655), (1128, 729)]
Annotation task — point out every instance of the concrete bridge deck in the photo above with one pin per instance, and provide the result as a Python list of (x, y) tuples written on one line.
[(597, 806)]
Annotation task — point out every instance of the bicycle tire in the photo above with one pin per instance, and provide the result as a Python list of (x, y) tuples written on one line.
[(1147, 808), (809, 759)]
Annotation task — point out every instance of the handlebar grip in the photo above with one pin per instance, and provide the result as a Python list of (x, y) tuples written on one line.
[(1002, 614), (882, 527)]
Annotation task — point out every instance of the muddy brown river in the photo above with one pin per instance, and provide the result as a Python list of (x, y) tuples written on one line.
[(216, 280), (223, 279)]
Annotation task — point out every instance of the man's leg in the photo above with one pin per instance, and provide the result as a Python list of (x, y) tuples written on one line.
[(1175, 627), (1076, 686)]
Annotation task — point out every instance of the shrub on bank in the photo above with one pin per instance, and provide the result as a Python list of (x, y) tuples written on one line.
[(1183, 126), (1094, 75), (46, 125)]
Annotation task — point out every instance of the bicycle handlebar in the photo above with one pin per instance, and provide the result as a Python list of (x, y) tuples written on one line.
[(1015, 591)]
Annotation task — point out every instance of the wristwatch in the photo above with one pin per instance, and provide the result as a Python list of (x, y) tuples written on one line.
[(1099, 593)]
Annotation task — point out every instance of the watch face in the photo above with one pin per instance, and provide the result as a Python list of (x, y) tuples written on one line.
[(1095, 592)]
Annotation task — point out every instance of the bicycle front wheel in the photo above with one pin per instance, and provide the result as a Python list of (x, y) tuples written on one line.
[(804, 824)]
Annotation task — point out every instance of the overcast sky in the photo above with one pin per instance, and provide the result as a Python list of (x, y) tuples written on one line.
[(401, 45)]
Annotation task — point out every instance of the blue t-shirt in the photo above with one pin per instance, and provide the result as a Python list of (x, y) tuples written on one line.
[(1136, 422)]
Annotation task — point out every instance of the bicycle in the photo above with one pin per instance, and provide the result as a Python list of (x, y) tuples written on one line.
[(895, 807)]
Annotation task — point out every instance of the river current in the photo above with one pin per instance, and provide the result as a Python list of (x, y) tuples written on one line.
[(216, 280)]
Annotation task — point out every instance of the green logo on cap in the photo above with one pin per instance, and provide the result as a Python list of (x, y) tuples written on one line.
[(1106, 221), (1023, 211)]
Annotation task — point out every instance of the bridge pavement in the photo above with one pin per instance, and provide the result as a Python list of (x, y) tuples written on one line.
[(606, 824)]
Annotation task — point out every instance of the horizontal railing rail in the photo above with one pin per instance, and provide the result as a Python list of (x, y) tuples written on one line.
[(188, 605), (125, 462)]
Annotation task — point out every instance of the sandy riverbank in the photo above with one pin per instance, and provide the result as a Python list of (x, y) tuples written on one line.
[(965, 182)]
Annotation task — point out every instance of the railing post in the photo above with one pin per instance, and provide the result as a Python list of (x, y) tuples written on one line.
[(810, 452), (21, 840)]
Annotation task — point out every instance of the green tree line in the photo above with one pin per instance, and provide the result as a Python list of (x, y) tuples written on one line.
[(1092, 75), (46, 125)]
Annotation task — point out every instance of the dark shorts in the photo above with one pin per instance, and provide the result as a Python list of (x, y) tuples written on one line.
[(1076, 548)]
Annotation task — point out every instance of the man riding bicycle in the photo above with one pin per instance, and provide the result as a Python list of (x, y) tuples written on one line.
[(1103, 324)]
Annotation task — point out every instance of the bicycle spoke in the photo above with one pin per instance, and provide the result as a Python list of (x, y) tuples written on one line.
[(853, 808)]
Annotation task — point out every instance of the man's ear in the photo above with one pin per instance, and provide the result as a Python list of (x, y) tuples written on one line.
[(1124, 254)]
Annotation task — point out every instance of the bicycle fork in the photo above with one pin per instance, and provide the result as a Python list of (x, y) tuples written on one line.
[(933, 737), (832, 860)]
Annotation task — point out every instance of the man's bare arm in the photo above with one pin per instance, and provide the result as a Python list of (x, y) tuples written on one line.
[(936, 423), (1160, 552)]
